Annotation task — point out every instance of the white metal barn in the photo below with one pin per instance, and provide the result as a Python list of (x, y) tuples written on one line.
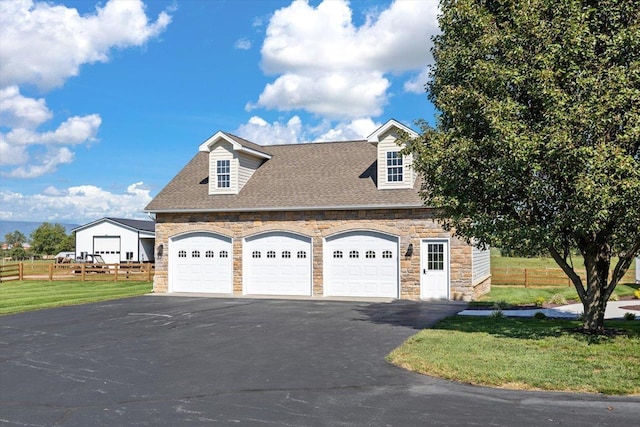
[(117, 240)]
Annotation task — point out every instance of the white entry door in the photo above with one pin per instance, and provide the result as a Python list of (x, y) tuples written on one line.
[(277, 263), (434, 260)]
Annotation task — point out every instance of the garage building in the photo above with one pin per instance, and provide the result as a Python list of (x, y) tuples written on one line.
[(117, 240), (337, 219)]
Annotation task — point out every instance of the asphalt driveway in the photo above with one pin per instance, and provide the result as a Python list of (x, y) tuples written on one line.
[(176, 361)]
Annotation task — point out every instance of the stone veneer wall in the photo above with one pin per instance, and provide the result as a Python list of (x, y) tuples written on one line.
[(411, 225)]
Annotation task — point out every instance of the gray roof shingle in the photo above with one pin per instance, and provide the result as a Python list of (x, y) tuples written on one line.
[(334, 175)]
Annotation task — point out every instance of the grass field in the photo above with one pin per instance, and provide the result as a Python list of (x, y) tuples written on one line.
[(520, 295), (526, 354), (16, 297), (498, 262), (515, 294)]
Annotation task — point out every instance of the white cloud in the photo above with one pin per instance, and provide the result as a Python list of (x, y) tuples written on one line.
[(83, 203), (19, 111), (21, 146), (44, 44), (75, 130), (293, 131), (259, 131), (312, 48), (417, 84), (55, 157), (330, 94), (353, 130), (243, 44), (12, 154)]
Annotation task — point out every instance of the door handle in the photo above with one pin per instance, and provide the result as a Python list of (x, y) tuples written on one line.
[(424, 271)]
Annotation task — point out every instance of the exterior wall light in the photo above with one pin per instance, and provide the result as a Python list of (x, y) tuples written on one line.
[(409, 250)]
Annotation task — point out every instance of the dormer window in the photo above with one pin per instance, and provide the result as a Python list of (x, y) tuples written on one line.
[(223, 173), (394, 167)]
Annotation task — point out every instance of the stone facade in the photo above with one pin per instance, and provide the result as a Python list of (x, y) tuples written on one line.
[(410, 225)]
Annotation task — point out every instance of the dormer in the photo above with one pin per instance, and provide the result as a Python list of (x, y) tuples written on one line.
[(231, 163), (394, 169)]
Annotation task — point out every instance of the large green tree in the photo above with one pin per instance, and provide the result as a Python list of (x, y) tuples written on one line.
[(536, 147), (49, 239)]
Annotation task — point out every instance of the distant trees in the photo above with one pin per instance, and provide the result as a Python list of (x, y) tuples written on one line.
[(49, 239), (15, 239)]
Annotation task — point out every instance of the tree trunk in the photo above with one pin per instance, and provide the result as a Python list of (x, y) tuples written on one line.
[(597, 261), (594, 309)]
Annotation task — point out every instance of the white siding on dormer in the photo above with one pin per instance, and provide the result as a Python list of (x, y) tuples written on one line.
[(223, 151), (387, 144), (247, 165)]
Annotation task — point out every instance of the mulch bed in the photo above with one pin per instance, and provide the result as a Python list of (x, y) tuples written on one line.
[(630, 298)]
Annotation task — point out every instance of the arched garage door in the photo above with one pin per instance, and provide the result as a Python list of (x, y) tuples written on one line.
[(201, 262), (277, 263), (361, 264)]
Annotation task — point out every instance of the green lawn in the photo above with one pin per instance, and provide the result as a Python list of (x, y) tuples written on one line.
[(521, 295), (16, 297), (515, 294), (526, 354), (498, 261)]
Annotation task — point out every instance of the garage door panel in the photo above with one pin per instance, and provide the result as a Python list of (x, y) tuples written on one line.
[(283, 266), (200, 262), (361, 263)]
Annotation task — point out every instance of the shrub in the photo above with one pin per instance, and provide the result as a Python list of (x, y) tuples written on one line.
[(614, 297), (539, 315), (497, 314), (558, 299), (629, 316), (636, 294), (501, 305), (539, 301)]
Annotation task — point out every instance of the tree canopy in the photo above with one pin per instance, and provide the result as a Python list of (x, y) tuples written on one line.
[(49, 239), (15, 239), (537, 143)]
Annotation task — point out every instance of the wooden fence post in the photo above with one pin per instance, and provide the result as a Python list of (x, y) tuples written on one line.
[(149, 272), (82, 271), (526, 278), (117, 267), (51, 272), (21, 271)]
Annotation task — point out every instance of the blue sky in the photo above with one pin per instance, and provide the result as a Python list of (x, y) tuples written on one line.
[(101, 104)]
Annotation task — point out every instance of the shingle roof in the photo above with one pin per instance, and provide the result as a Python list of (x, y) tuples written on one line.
[(138, 224), (338, 175)]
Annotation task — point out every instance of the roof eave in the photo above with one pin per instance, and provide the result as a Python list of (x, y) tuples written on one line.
[(291, 208), (206, 146)]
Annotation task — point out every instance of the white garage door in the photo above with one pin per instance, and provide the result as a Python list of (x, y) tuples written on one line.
[(201, 262), (361, 264), (108, 247), (277, 263)]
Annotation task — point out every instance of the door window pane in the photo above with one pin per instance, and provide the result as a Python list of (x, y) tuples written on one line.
[(435, 256)]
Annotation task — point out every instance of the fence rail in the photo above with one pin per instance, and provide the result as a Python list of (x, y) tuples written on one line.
[(106, 272), (533, 278)]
